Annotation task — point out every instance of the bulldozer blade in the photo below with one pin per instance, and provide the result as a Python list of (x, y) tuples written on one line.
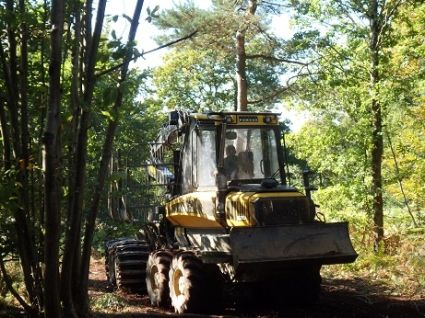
[(289, 245)]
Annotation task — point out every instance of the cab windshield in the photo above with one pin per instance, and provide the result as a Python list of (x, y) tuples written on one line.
[(251, 153)]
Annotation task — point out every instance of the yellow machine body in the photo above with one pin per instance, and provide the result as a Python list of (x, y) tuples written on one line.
[(193, 210), (248, 217), (198, 209)]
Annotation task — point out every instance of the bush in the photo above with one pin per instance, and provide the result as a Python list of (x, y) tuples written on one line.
[(109, 229), (400, 263)]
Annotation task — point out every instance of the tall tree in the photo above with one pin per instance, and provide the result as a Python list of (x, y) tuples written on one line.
[(51, 140), (404, 129), (78, 170), (14, 122), (227, 31), (366, 30), (241, 78), (105, 160), (46, 140)]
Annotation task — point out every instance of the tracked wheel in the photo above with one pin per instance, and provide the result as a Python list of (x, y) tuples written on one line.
[(126, 264), (109, 260), (157, 277), (188, 283)]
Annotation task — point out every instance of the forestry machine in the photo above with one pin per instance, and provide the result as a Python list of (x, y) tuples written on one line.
[(231, 227)]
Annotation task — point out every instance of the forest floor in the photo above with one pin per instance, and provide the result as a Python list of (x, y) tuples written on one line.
[(348, 297)]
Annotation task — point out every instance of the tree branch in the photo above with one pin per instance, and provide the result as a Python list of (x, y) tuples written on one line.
[(270, 3), (399, 179), (9, 284), (136, 56), (274, 59), (346, 12), (269, 97), (272, 96), (338, 65), (271, 38), (283, 89), (385, 18)]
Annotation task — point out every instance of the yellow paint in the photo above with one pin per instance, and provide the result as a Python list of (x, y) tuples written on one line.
[(192, 221), (238, 209), (276, 195), (260, 120), (241, 119), (195, 209), (206, 117), (240, 206), (152, 171), (198, 209)]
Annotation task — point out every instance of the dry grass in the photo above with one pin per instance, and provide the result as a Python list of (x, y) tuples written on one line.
[(400, 266)]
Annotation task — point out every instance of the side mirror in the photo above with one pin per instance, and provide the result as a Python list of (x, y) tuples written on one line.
[(307, 187)]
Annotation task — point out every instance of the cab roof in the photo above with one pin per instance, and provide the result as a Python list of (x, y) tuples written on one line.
[(238, 118)]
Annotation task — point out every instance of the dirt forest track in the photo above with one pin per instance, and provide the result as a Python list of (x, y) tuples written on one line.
[(340, 298)]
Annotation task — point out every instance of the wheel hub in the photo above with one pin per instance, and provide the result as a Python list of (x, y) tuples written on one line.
[(179, 282)]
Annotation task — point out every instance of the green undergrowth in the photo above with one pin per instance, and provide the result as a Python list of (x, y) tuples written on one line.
[(398, 266), (13, 269), (108, 302), (108, 230)]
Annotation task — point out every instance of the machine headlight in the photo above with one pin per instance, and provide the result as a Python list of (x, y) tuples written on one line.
[(267, 119)]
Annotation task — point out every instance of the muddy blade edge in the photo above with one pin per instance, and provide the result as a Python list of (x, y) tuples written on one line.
[(286, 245)]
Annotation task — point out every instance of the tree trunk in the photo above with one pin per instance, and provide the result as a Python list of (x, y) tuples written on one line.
[(111, 200), (241, 80), (23, 176), (242, 92), (106, 158), (377, 133), (13, 73), (78, 171), (25, 135), (10, 73), (12, 103), (51, 145), (4, 130), (9, 284)]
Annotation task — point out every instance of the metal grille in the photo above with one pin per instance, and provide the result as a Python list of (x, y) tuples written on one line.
[(275, 211), (237, 209)]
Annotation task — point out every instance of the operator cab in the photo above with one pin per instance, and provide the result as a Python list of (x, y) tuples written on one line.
[(228, 150), (251, 154)]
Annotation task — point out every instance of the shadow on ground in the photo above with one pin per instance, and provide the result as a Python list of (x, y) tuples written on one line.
[(343, 298)]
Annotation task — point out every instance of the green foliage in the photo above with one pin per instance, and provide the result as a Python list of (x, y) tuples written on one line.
[(195, 80), (200, 74), (333, 151), (110, 229), (406, 104), (336, 142), (108, 302), (399, 265), (13, 269), (8, 204)]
